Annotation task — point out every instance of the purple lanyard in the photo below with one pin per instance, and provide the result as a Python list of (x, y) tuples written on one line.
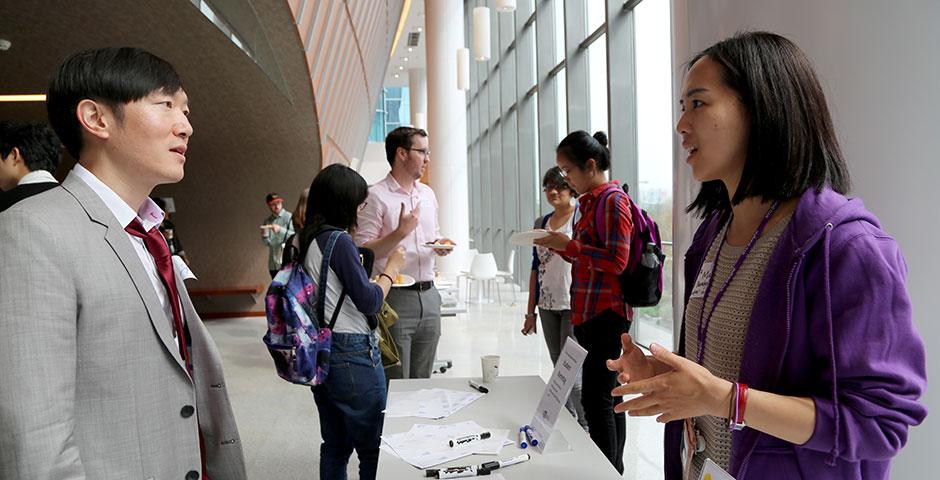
[(705, 321)]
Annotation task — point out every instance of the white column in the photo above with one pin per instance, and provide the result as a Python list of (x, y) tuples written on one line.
[(418, 95), (447, 126)]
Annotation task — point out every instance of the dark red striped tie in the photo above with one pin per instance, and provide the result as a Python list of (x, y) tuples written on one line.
[(160, 252)]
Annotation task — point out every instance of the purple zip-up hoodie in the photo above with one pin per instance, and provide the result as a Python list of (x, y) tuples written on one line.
[(832, 303)]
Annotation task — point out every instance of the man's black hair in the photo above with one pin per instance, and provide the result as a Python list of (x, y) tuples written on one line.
[(112, 76), (792, 144), (400, 138), (335, 195), (37, 144), (579, 147)]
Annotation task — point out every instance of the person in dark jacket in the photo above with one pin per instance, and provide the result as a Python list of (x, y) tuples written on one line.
[(29, 156), (798, 357)]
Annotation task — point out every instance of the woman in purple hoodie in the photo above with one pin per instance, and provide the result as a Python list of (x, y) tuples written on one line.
[(798, 357)]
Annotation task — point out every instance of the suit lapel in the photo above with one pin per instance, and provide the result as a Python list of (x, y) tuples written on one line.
[(116, 237)]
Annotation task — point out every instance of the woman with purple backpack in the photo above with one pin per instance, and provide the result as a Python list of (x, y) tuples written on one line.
[(798, 357), (351, 401), (599, 250)]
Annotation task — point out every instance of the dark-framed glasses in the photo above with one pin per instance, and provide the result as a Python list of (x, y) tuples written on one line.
[(423, 151)]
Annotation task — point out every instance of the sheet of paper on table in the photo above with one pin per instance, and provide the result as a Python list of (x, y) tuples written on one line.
[(433, 403), (425, 446)]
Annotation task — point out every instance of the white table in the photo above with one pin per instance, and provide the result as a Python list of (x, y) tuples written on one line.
[(509, 405)]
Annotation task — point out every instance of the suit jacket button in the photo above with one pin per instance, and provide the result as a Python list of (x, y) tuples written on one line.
[(192, 475), (187, 411)]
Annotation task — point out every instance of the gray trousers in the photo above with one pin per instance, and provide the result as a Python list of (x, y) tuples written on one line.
[(417, 331), (556, 327)]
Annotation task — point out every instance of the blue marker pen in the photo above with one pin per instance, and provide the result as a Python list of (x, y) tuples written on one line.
[(530, 434), (522, 438)]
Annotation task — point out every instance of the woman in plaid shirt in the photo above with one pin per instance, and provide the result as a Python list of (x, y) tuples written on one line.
[(598, 251)]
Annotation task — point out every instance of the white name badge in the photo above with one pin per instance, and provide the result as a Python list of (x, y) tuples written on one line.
[(557, 391), (711, 471), (701, 283)]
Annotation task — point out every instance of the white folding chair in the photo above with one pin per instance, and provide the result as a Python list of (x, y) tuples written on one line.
[(465, 271), (506, 276), (483, 270)]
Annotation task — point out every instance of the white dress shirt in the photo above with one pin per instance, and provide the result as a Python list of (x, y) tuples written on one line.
[(38, 176), (150, 216), (380, 217)]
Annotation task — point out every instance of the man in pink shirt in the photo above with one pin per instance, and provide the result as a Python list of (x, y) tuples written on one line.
[(401, 211)]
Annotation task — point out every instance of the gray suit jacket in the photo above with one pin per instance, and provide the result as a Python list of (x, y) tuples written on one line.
[(91, 381)]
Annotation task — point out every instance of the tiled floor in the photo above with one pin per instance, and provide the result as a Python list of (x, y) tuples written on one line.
[(278, 421)]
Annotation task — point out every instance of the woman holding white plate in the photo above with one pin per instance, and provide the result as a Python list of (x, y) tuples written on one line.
[(550, 280)]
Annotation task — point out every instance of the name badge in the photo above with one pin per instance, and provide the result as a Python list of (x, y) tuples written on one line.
[(701, 283)]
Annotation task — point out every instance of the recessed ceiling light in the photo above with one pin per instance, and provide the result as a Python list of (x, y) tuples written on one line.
[(5, 44), (404, 59), (401, 67), (420, 29), (37, 97), (411, 49), (396, 75)]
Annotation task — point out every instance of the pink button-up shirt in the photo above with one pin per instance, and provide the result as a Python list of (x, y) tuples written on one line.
[(380, 218)]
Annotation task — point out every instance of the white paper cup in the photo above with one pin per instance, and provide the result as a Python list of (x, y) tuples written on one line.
[(490, 367)]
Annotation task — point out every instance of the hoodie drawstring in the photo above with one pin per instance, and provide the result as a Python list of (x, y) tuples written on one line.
[(834, 453)]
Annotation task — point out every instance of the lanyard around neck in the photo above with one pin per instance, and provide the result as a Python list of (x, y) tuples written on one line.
[(705, 321)]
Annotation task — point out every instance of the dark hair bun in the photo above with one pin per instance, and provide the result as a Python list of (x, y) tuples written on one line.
[(601, 138)]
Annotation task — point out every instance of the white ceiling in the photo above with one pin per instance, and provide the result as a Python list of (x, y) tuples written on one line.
[(416, 57)]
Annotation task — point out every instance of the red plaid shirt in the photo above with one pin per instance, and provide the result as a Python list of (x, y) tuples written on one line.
[(597, 261)]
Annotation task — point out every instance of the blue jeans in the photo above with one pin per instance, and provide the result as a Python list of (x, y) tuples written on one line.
[(350, 405)]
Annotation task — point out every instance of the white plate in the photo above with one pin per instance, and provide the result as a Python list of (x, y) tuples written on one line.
[(526, 237), (409, 281), (438, 246)]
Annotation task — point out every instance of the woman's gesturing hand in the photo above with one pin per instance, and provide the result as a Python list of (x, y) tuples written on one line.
[(633, 364), (678, 387)]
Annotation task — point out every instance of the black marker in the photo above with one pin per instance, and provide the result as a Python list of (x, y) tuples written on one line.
[(479, 387), (469, 438)]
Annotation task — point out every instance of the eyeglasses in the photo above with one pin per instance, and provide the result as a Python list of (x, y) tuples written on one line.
[(423, 151), (362, 206)]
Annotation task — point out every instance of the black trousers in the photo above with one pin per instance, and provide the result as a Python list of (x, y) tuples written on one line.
[(601, 337)]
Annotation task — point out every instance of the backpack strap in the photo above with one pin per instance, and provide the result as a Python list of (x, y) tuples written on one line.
[(324, 272), (602, 200), (337, 308), (540, 223)]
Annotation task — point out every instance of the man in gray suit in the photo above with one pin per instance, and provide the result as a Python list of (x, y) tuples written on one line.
[(106, 370)]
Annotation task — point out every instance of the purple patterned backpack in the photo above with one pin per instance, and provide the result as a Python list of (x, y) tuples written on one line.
[(297, 339)]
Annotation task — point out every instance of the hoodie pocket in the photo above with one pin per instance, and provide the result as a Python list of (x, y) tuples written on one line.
[(773, 462)]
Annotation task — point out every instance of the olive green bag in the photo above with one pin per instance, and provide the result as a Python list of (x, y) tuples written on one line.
[(383, 320), (387, 317)]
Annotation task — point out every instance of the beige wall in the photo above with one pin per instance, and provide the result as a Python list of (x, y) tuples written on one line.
[(347, 46)]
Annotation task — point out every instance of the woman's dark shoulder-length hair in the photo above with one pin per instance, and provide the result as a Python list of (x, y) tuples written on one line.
[(334, 198), (792, 145)]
